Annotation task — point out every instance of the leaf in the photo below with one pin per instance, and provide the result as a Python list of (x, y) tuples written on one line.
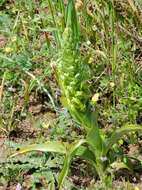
[(55, 33), (80, 117), (86, 154), (71, 152), (32, 85), (71, 19), (94, 138), (58, 147), (121, 165), (118, 133)]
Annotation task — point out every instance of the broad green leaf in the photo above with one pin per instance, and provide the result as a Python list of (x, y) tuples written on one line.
[(58, 147), (86, 154), (118, 133), (83, 118), (94, 138), (121, 165), (70, 153)]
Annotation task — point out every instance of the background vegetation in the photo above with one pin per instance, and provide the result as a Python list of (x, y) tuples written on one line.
[(109, 39)]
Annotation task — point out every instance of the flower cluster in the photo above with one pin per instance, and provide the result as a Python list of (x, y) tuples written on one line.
[(71, 71)]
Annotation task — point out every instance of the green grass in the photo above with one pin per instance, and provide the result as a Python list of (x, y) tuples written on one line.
[(109, 37)]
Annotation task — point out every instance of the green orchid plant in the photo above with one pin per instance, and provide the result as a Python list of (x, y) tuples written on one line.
[(70, 72)]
